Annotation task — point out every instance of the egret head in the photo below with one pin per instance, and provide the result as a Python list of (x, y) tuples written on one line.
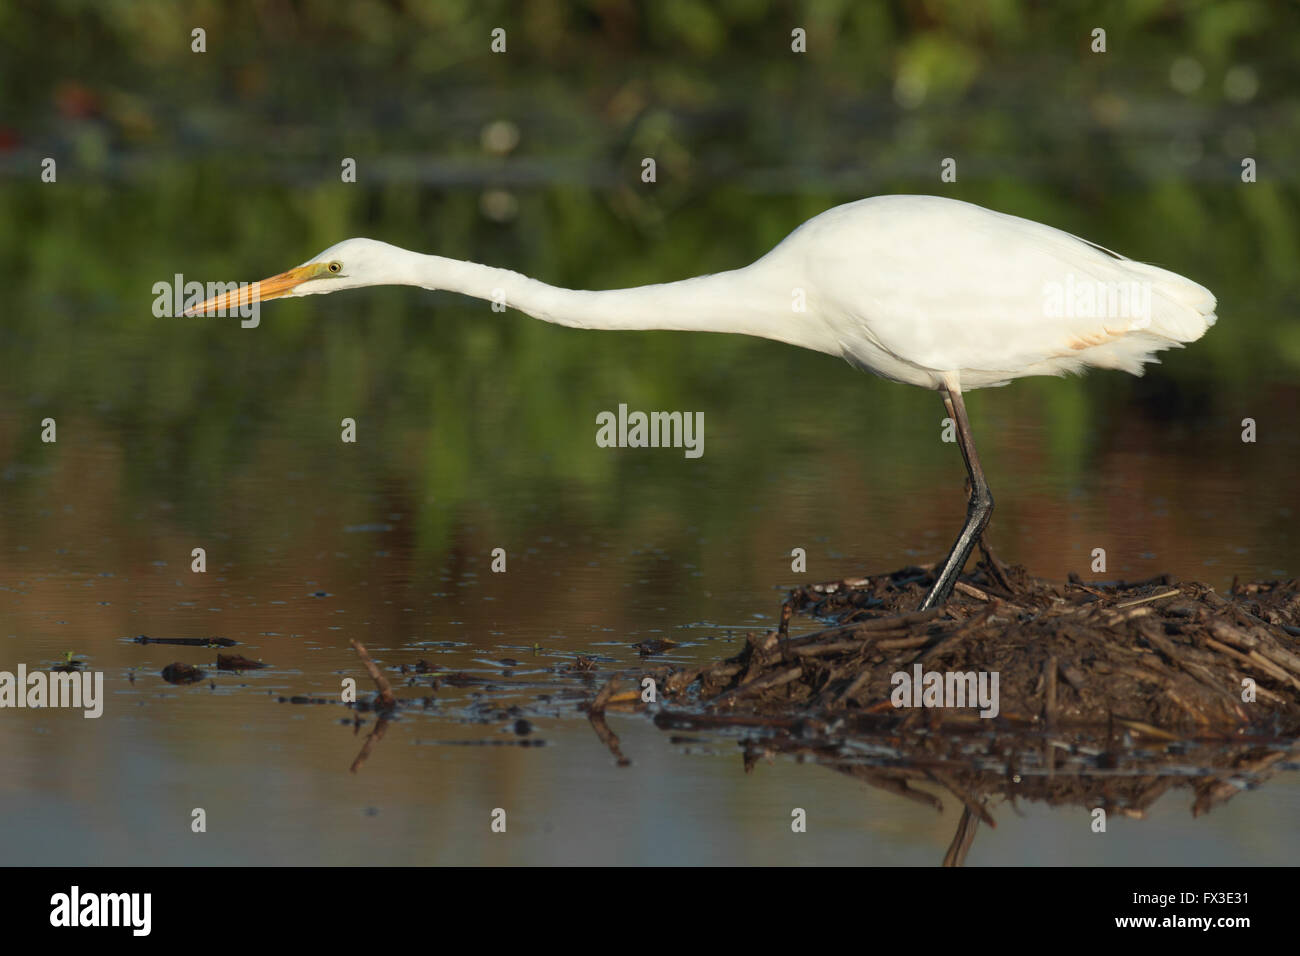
[(349, 264)]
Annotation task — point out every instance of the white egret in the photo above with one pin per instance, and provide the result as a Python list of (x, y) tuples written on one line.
[(918, 289)]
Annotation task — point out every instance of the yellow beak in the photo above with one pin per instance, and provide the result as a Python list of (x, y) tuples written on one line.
[(272, 288)]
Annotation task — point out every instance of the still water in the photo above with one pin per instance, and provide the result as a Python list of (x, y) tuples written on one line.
[(477, 431)]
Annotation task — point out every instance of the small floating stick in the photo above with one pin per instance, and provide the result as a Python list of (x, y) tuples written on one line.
[(385, 691)]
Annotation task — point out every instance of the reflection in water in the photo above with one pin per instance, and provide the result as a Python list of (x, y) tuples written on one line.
[(1118, 774)]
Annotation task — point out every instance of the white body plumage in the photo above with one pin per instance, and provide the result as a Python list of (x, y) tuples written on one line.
[(918, 289)]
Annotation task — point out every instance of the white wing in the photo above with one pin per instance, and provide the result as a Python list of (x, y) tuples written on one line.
[(917, 286)]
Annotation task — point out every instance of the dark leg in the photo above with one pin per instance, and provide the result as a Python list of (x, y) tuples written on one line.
[(978, 511)]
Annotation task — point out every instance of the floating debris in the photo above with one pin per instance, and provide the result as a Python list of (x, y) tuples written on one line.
[(658, 646), (236, 662), (582, 664), (381, 682), (179, 673), (69, 664), (187, 641), (508, 742)]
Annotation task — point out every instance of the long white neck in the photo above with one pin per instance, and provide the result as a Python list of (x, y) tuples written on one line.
[(746, 301)]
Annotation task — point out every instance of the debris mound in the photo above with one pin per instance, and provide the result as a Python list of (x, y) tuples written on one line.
[(1158, 658)]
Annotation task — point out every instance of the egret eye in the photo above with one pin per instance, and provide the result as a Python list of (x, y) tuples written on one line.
[(336, 267)]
